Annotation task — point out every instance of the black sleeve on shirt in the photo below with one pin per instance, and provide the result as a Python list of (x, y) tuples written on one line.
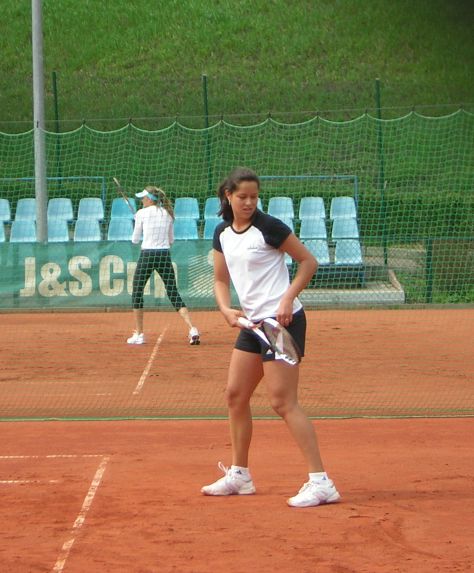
[(216, 243), (274, 231)]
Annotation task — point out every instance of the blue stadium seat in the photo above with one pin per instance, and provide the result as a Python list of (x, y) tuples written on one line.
[(5, 213), (23, 231), (211, 207), (2, 232), (348, 252), (343, 208), (25, 210), (311, 208), (60, 208), (91, 208), (186, 208), (58, 230), (120, 229), (281, 207), (87, 230), (210, 225), (121, 210), (313, 229), (185, 229), (344, 229), (319, 249)]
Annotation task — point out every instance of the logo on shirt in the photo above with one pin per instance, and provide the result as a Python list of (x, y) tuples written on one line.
[(253, 246)]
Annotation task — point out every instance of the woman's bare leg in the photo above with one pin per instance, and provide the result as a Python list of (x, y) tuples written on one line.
[(282, 383), (184, 313), (245, 372)]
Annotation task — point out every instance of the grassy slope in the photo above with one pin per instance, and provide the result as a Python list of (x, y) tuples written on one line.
[(145, 58)]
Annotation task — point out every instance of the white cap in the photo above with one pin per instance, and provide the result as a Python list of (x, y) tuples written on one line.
[(146, 193)]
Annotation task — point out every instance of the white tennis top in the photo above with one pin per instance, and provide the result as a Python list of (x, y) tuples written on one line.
[(257, 268), (155, 225)]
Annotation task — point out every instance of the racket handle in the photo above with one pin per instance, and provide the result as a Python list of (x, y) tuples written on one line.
[(245, 322)]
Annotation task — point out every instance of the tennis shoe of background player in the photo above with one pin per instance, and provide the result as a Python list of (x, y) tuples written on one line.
[(136, 338), (233, 483), (315, 493), (154, 230), (194, 338)]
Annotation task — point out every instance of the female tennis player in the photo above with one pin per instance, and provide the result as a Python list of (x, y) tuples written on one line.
[(154, 227), (249, 250)]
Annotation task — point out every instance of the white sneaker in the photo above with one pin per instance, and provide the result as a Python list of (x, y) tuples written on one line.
[(194, 336), (315, 493), (232, 483), (136, 338)]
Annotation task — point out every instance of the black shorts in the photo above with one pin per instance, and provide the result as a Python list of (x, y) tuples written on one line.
[(249, 342)]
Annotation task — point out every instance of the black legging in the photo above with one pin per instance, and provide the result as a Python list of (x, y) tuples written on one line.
[(155, 260)]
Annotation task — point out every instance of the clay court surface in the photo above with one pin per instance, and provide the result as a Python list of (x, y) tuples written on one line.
[(357, 363), (123, 495)]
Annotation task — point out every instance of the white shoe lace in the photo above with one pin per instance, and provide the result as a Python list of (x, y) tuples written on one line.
[(317, 489), (223, 468), (231, 479), (225, 480), (305, 486)]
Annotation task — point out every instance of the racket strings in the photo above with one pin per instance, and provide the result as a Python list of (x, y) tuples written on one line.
[(282, 341)]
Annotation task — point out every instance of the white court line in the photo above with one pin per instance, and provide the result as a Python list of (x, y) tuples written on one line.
[(52, 456), (141, 382), (66, 548), (61, 394), (16, 481)]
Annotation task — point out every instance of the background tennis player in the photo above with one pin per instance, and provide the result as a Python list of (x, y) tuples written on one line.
[(154, 227)]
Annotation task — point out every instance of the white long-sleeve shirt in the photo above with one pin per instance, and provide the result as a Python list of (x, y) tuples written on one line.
[(155, 225)]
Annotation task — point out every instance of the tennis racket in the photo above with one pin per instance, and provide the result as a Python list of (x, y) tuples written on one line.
[(125, 198), (276, 337)]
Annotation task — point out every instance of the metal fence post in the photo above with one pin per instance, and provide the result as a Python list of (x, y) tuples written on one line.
[(381, 179), (208, 137)]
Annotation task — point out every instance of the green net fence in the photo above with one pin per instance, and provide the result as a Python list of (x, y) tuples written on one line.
[(407, 239)]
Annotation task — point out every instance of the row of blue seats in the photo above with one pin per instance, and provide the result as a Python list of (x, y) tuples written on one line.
[(118, 229), (24, 231), (309, 228), (121, 230), (184, 208), (347, 251), (281, 207), (62, 208)]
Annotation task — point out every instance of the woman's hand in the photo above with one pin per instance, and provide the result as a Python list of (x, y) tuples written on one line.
[(284, 314), (232, 315)]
